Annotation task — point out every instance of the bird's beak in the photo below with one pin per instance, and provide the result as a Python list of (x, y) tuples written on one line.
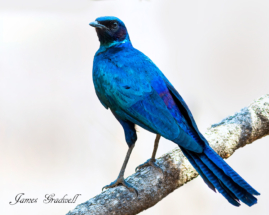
[(97, 25)]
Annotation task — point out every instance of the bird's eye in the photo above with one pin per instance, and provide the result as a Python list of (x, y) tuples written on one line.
[(114, 25)]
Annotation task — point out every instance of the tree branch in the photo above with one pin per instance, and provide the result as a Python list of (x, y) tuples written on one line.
[(250, 124)]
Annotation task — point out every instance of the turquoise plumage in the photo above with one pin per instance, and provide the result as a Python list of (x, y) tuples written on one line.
[(135, 90)]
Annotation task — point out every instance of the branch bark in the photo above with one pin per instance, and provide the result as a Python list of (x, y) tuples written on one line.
[(236, 131)]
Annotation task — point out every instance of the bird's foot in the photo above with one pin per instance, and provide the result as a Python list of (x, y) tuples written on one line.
[(121, 181), (149, 162)]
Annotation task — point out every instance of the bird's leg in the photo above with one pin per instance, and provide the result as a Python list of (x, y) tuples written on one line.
[(156, 144), (151, 161), (120, 179)]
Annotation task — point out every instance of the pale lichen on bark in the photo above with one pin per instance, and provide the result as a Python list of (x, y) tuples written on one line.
[(244, 127)]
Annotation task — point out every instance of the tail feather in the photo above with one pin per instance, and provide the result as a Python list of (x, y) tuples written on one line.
[(193, 163), (213, 179), (228, 191), (236, 189), (216, 159), (218, 174)]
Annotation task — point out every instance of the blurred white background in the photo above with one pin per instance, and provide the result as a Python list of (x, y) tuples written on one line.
[(57, 138)]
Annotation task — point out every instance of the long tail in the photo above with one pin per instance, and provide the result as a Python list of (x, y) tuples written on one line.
[(218, 174)]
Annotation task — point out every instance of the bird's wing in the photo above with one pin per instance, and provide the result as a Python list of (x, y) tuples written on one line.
[(132, 89), (184, 109), (142, 105)]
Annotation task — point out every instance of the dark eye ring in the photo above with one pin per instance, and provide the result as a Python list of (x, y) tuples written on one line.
[(114, 25)]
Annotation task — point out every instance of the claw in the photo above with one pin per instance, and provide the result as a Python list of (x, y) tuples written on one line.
[(121, 181), (104, 188), (149, 162)]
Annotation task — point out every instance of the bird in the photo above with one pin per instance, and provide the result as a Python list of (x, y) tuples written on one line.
[(135, 90)]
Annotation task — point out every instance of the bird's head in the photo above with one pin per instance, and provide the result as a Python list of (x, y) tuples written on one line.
[(110, 31)]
